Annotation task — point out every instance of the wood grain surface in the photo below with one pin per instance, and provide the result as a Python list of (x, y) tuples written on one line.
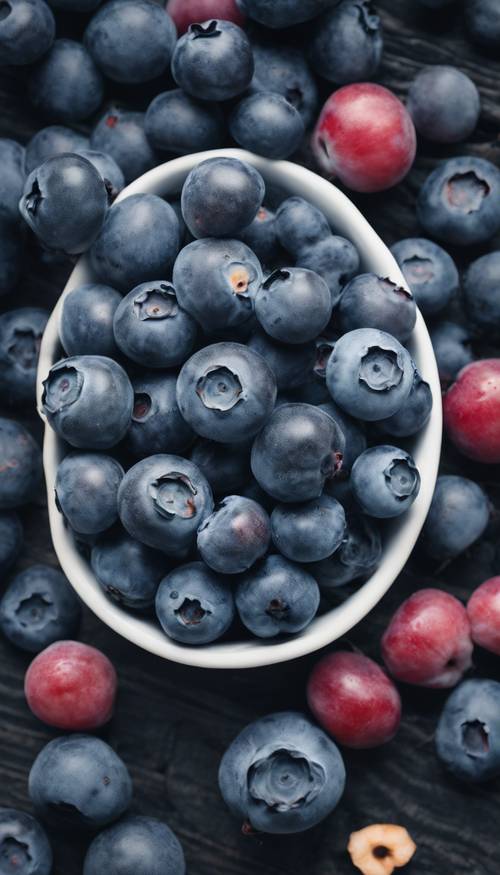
[(173, 723)]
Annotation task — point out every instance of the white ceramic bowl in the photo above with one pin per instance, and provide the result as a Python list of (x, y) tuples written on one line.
[(167, 181)]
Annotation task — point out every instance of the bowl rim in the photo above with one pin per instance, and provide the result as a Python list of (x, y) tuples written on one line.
[(332, 625)]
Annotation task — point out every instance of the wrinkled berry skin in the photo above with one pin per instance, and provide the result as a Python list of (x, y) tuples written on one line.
[(51, 141), (86, 326), (12, 156), (430, 272), (213, 60), (107, 168), (352, 698), (284, 70), (86, 490), (226, 392), (220, 197), (38, 608), (76, 389), (128, 571), (157, 425), (347, 43), (215, 281), (358, 555), (162, 501), (483, 610), (24, 845), (11, 539), (459, 201), (65, 203), (444, 104), (414, 412), (226, 466), (366, 137), (293, 305), (66, 83), (468, 732), (120, 133), (26, 32), (481, 285), (369, 374), (79, 782), (255, 770), (308, 532), (482, 20), (277, 597), (131, 40), (298, 449), (355, 438), (266, 123), (234, 536), (451, 344), (178, 123), (138, 242), (283, 13), (142, 845), (20, 465), (71, 686), (194, 605), (385, 481), (371, 301), (471, 411), (292, 366), (458, 516), (20, 336), (186, 12), (152, 329)]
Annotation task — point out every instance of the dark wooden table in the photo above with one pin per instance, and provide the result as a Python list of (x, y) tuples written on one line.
[(172, 723)]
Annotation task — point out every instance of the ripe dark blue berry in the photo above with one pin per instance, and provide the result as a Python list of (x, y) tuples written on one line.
[(51, 141), (293, 305), (235, 535), (120, 133), (444, 104), (12, 157), (157, 425), (347, 43), (20, 336), (385, 481), (220, 197), (86, 325), (128, 571), (283, 13), (66, 83), (371, 301), (20, 465), (468, 732), (284, 70), (24, 846), (38, 608), (194, 605), (308, 532), (141, 845), (357, 557), (266, 123), (86, 490), (451, 343), (176, 122), (430, 272), (27, 30), (458, 516), (213, 60), (481, 284)]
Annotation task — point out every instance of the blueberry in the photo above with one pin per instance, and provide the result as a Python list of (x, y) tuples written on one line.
[(88, 401), (358, 555), (152, 329), (468, 732), (226, 392), (86, 323), (284, 70), (66, 83), (369, 374), (283, 13), (120, 133), (451, 343), (162, 502), (413, 414), (266, 123), (213, 60), (308, 532), (282, 774), (355, 438), (11, 252), (221, 196), (51, 141), (11, 539), (385, 481), (292, 366), (459, 201), (347, 43), (78, 781), (430, 272), (298, 449), (482, 20), (128, 571), (20, 336), (65, 203), (87, 491), (215, 281), (12, 157), (194, 605), (235, 535), (444, 104), (107, 168), (482, 292), (176, 122), (138, 242), (300, 225), (458, 516), (27, 30), (371, 301), (157, 425), (24, 846), (293, 305), (140, 845), (226, 466), (262, 238), (276, 597), (20, 465), (39, 607)]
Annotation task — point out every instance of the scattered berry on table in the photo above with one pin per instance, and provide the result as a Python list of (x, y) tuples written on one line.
[(482, 20), (482, 292), (468, 732), (143, 845), (458, 516), (430, 272), (444, 104), (20, 337), (20, 465), (24, 845)]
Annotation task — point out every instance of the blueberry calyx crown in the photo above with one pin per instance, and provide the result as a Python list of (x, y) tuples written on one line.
[(61, 388), (220, 389), (475, 738), (402, 478), (279, 275), (324, 349), (24, 347), (466, 191), (158, 302), (173, 496), (284, 779), (34, 198), (192, 612), (389, 286), (210, 29), (381, 369), (142, 406), (370, 22)]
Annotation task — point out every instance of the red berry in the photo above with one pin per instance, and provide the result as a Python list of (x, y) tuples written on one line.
[(428, 641), (186, 12), (365, 136), (472, 411), (71, 686), (483, 609), (354, 700)]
